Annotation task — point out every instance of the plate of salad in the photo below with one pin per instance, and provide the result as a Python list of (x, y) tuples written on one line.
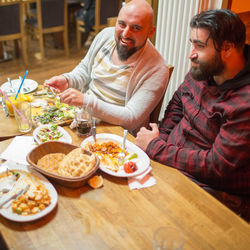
[(51, 132), (60, 114)]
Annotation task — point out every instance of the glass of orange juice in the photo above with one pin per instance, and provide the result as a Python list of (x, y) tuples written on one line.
[(20, 97)]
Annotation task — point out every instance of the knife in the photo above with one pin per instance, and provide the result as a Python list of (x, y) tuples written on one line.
[(5, 109), (15, 196), (94, 130)]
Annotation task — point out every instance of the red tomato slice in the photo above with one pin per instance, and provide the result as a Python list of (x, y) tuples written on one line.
[(130, 167)]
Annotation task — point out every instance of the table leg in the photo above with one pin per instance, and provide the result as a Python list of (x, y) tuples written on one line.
[(1, 50)]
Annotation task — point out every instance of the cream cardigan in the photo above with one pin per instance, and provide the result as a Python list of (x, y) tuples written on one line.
[(146, 85)]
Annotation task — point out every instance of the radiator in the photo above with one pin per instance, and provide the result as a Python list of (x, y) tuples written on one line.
[(172, 37)]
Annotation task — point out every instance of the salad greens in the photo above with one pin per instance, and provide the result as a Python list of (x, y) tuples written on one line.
[(129, 157), (49, 133), (60, 113)]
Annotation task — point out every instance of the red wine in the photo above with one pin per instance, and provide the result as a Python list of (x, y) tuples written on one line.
[(83, 127)]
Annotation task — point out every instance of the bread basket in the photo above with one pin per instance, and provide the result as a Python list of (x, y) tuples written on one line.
[(59, 147)]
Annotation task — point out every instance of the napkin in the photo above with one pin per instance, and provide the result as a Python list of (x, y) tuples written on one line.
[(143, 180), (73, 124), (19, 149)]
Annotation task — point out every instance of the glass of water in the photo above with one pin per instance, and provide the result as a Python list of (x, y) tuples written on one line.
[(168, 238)]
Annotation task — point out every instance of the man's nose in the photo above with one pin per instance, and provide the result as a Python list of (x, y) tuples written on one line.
[(193, 54), (126, 32)]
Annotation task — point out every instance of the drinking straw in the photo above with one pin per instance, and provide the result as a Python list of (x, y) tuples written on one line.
[(14, 107), (21, 84)]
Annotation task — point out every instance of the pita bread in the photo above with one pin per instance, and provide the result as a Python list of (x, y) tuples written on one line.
[(76, 163), (50, 162)]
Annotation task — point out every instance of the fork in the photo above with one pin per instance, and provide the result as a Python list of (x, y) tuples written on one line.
[(53, 92), (15, 196), (12, 90), (121, 155), (94, 130)]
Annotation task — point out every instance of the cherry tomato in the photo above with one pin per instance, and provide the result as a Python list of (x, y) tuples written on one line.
[(130, 167)]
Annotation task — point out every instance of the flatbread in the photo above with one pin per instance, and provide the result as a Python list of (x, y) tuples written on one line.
[(50, 162), (76, 163)]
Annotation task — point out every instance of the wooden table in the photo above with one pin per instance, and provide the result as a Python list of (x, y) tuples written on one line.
[(8, 126), (114, 217)]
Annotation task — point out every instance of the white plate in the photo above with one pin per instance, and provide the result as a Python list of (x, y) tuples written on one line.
[(65, 138), (142, 161), (7, 212), (28, 86)]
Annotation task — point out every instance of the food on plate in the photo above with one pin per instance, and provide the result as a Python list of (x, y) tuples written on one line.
[(39, 103), (96, 181), (7, 180), (54, 116), (42, 92), (75, 164), (50, 162), (129, 157), (34, 200), (108, 153), (130, 167), (29, 194), (61, 113), (49, 133)]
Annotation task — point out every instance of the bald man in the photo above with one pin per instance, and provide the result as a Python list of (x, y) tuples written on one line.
[(122, 77)]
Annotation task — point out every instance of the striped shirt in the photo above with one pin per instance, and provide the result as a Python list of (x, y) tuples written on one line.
[(109, 81)]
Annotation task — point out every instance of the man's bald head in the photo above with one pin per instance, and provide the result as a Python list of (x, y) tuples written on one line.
[(141, 8), (134, 26)]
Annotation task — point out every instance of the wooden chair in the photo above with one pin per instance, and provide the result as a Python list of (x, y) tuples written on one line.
[(154, 116), (51, 17), (30, 9), (103, 10), (111, 21), (12, 25)]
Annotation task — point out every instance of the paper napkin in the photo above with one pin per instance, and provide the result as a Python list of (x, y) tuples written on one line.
[(143, 180), (73, 124), (19, 149)]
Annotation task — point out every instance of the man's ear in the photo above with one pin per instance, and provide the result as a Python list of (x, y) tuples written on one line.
[(152, 31), (227, 49)]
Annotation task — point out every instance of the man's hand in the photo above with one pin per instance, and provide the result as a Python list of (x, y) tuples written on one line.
[(72, 97), (59, 83), (145, 136)]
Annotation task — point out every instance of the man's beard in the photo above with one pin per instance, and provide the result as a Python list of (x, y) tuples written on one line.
[(123, 52), (206, 70)]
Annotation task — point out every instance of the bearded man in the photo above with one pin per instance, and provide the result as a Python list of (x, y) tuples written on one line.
[(122, 77), (205, 132)]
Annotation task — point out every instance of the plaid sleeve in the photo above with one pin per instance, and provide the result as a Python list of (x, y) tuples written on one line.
[(228, 158), (173, 115)]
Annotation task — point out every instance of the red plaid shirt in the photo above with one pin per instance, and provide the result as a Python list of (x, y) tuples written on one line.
[(206, 133)]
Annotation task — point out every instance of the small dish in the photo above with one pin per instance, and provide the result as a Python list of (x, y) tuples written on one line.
[(59, 147), (29, 86), (54, 133)]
